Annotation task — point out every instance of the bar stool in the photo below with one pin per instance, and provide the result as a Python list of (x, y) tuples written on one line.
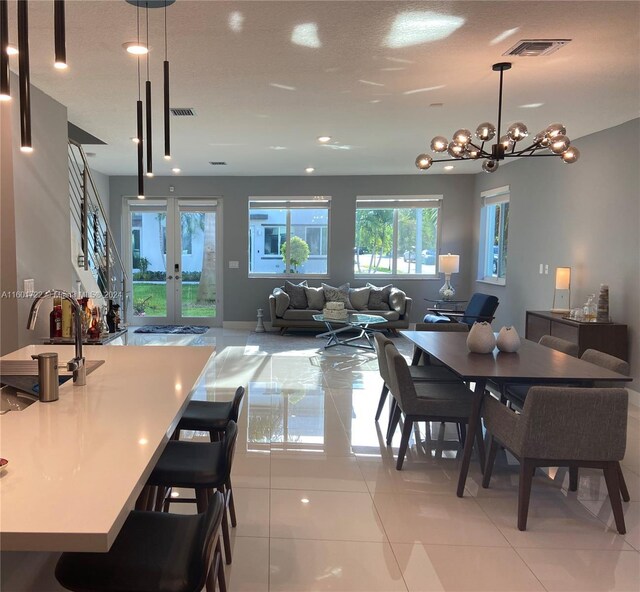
[(202, 466), (210, 416), (153, 552)]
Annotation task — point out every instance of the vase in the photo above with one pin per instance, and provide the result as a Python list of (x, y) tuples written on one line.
[(508, 340), (481, 339)]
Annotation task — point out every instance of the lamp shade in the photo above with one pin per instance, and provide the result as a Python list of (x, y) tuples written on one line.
[(449, 263), (563, 278)]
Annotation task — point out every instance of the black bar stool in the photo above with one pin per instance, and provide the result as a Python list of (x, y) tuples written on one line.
[(154, 552), (202, 466), (210, 416)]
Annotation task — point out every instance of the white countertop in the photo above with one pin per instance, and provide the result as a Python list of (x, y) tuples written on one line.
[(77, 465)]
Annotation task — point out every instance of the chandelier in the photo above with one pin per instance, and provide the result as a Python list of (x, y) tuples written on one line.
[(552, 141)]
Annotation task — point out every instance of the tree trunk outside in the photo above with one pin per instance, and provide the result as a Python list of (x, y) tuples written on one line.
[(207, 286)]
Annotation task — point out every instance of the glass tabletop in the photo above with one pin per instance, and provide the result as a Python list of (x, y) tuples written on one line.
[(353, 319)]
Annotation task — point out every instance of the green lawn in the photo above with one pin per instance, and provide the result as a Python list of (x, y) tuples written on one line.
[(154, 297)]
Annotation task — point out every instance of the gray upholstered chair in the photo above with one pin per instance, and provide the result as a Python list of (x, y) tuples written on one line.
[(418, 354), (422, 401), (418, 373), (561, 426), (562, 345), (606, 361)]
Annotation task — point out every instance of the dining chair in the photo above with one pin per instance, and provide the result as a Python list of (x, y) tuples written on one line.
[(481, 307), (423, 401), (561, 426), (202, 466), (418, 373), (153, 552), (211, 416)]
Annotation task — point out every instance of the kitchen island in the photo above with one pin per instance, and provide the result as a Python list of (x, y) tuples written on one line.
[(77, 465)]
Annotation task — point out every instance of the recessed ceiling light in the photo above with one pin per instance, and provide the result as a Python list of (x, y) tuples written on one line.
[(324, 139), (175, 494), (277, 147), (135, 140), (135, 47), (531, 105), (304, 500), (448, 167), (176, 170), (12, 50), (309, 170)]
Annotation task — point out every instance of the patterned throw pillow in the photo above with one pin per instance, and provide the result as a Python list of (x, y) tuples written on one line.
[(339, 294), (315, 298), (296, 294), (379, 297), (359, 298)]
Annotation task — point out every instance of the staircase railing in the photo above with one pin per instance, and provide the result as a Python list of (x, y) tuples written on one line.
[(98, 252)]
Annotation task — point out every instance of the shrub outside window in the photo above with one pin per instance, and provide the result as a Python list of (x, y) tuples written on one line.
[(289, 236), (494, 235), (397, 236)]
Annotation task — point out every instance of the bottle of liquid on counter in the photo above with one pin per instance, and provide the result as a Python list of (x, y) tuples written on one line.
[(55, 319), (67, 319)]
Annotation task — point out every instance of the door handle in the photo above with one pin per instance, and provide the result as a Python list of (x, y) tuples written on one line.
[(169, 277)]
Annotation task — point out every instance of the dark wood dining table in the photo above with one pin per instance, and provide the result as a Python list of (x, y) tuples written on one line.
[(531, 364)]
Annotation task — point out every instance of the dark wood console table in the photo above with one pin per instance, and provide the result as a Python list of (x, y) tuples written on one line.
[(610, 338)]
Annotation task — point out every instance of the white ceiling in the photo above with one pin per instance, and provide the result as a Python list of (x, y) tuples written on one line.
[(262, 100)]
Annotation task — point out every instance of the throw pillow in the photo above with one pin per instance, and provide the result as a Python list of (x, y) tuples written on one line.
[(339, 294), (315, 298), (296, 294), (282, 301), (379, 297), (359, 297), (398, 301)]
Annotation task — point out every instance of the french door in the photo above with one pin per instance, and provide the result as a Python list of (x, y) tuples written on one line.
[(173, 252)]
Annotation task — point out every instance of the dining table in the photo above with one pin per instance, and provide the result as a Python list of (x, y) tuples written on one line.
[(532, 364)]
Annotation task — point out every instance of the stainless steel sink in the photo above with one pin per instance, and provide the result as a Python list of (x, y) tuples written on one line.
[(19, 382)]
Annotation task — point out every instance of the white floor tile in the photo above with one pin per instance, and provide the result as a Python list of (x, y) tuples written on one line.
[(249, 571), (602, 509), (305, 565), (252, 510), (326, 473), (324, 515), (571, 570), (474, 569)]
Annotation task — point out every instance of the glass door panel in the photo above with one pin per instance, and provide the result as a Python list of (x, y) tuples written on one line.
[(198, 251)]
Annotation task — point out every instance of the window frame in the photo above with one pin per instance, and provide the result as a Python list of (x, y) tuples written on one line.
[(491, 198), (288, 203), (395, 203)]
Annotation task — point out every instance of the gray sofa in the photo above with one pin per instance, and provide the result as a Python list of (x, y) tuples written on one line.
[(288, 312)]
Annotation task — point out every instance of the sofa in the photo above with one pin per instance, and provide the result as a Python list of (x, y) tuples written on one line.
[(293, 305)]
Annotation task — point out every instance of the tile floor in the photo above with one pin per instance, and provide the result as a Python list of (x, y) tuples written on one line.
[(321, 506)]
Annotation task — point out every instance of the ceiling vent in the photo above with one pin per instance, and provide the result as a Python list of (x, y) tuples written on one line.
[(217, 163), (183, 111), (536, 47)]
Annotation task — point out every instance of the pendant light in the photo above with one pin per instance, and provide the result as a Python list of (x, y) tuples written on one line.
[(5, 94), (165, 67), (24, 78), (139, 135), (59, 35), (148, 108)]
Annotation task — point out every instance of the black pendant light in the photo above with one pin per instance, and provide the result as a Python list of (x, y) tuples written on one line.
[(139, 133), (5, 93), (165, 67), (25, 88), (148, 108), (59, 35)]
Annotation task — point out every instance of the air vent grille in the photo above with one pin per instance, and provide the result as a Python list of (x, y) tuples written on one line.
[(217, 163), (536, 47), (183, 111)]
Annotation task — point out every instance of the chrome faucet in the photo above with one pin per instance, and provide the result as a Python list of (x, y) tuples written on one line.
[(77, 364)]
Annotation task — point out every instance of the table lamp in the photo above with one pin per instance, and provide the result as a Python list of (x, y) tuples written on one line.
[(562, 292), (448, 264)]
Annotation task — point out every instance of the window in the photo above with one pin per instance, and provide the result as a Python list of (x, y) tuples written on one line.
[(397, 236), (275, 223), (494, 235)]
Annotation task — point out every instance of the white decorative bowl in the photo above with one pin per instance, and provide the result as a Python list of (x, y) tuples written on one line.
[(481, 339), (508, 340)]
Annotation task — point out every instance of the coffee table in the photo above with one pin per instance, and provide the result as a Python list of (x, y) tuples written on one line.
[(359, 322)]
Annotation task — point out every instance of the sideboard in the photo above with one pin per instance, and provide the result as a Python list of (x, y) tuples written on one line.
[(610, 338)]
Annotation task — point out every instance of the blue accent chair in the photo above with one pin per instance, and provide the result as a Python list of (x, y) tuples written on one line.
[(481, 307)]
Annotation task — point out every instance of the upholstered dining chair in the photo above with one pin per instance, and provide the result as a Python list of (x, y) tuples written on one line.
[(561, 426), (481, 307), (418, 373), (422, 401)]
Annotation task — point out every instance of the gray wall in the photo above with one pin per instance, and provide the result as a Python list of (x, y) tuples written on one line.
[(41, 210), (102, 185), (585, 216), (242, 296)]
